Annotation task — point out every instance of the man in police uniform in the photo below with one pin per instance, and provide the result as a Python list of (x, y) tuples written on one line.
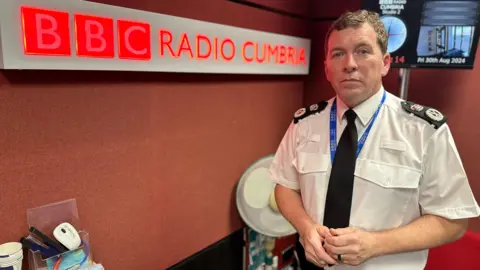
[(401, 192)]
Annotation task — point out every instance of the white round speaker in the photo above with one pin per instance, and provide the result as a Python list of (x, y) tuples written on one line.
[(256, 201)]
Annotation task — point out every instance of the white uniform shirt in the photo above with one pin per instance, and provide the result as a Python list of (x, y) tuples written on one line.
[(406, 168)]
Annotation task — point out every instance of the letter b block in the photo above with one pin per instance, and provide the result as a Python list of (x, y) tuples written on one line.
[(46, 32), (94, 36)]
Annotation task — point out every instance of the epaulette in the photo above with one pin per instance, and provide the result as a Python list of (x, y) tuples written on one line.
[(307, 111), (432, 116)]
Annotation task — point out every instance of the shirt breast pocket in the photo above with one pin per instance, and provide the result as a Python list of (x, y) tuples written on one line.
[(313, 172), (384, 194), (307, 163)]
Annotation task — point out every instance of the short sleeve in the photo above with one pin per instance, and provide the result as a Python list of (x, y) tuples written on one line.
[(444, 189), (281, 170)]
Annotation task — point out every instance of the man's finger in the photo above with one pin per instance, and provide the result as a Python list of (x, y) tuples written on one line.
[(334, 250), (331, 254), (312, 253), (312, 259), (323, 231), (341, 231), (348, 257), (323, 255), (338, 241), (342, 240), (320, 253)]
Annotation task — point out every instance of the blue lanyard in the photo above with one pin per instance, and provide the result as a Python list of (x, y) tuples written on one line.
[(333, 128)]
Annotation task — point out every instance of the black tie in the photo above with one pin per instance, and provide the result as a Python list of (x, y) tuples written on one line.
[(340, 187)]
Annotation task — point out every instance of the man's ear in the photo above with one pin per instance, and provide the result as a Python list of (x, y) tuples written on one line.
[(387, 60)]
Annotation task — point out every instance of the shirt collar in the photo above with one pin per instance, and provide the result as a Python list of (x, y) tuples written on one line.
[(364, 110)]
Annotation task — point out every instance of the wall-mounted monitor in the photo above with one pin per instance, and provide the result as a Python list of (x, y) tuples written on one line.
[(430, 33)]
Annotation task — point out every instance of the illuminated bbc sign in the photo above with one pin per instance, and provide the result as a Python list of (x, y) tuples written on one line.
[(81, 35)]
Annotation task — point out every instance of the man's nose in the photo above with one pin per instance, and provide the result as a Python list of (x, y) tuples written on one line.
[(350, 64)]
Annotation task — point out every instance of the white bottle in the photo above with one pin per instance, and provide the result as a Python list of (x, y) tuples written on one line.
[(275, 263)]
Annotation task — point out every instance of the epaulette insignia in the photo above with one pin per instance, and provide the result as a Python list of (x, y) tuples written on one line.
[(434, 117), (312, 109)]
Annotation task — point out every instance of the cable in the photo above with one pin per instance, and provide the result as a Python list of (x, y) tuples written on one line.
[(86, 254), (57, 264)]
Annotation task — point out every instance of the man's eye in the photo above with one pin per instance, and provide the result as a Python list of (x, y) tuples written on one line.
[(337, 54), (363, 51)]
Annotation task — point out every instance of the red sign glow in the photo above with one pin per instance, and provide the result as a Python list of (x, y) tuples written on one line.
[(47, 32)]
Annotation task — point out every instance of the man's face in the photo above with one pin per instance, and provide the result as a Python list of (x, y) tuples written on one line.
[(354, 64)]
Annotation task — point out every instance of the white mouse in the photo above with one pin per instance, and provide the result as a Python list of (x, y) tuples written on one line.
[(66, 234)]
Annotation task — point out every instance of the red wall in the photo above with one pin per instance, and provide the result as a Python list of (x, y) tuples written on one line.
[(454, 92), (151, 158)]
